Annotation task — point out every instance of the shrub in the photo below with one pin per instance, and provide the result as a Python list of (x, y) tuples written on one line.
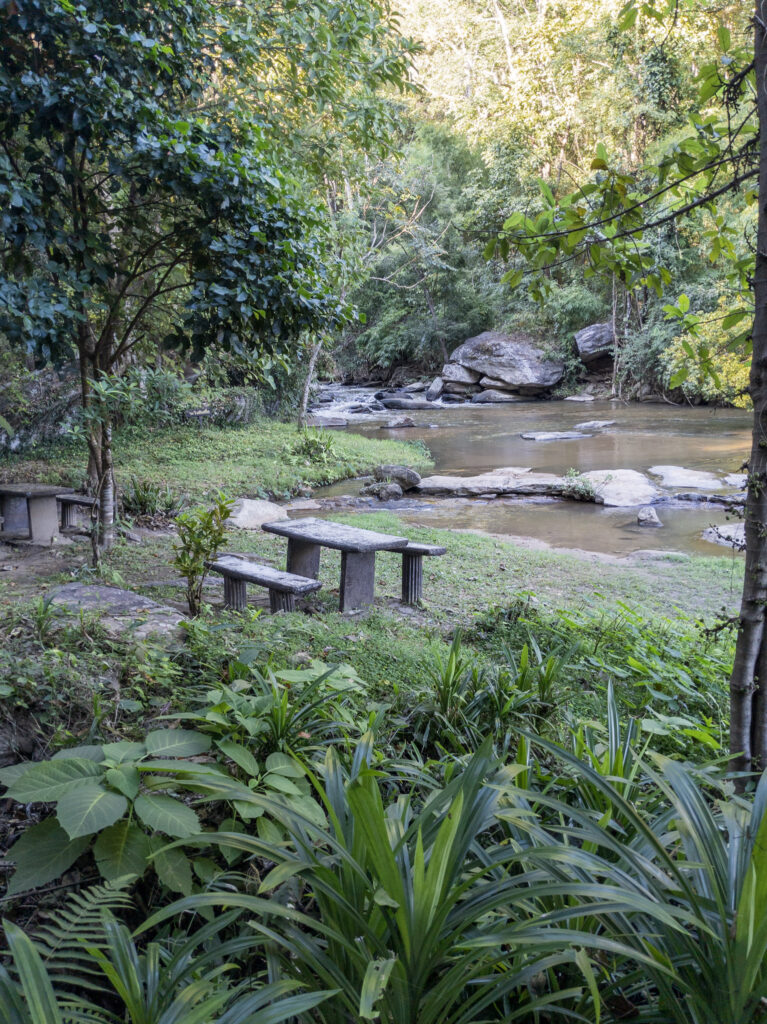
[(201, 533)]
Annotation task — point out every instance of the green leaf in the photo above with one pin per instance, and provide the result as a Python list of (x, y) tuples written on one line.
[(121, 851), (724, 37), (240, 755), (124, 778), (168, 815), (683, 303), (628, 19), (176, 743), (281, 764), (35, 983), (48, 781), (91, 752), (373, 984), (44, 852), (88, 809), (123, 751), (173, 869), (282, 785)]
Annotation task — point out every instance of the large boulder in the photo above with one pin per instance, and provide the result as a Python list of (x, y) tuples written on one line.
[(731, 535), (595, 343), (513, 361), (405, 403), (383, 490)]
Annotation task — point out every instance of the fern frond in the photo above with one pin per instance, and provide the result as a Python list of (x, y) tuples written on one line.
[(64, 938)]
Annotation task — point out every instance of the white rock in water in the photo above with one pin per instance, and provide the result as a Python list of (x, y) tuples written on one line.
[(516, 360), (647, 516), (517, 481), (621, 487), (595, 424), (678, 476), (554, 435), (579, 398), (736, 480), (250, 513), (731, 535)]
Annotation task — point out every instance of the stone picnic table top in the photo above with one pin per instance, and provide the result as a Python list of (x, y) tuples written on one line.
[(33, 490), (335, 535)]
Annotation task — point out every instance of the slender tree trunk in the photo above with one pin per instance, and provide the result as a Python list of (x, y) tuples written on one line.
[(748, 699), (313, 356)]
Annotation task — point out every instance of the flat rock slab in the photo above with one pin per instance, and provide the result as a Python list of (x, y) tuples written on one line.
[(554, 435), (595, 424), (579, 398), (678, 476), (738, 480), (621, 488), (252, 513), (731, 535), (120, 611), (496, 483), (336, 535)]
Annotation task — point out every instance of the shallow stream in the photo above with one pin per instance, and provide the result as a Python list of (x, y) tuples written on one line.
[(469, 439)]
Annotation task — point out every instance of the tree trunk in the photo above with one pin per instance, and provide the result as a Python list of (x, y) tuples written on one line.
[(748, 700), (313, 356)]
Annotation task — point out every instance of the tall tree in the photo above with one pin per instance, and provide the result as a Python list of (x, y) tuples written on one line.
[(141, 163), (612, 225)]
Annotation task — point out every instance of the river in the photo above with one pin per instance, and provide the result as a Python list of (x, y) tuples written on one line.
[(469, 439)]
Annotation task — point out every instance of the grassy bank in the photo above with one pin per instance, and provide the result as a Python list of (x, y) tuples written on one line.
[(257, 460)]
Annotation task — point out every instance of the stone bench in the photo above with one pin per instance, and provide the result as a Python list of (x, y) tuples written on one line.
[(412, 569), (282, 586), (69, 503)]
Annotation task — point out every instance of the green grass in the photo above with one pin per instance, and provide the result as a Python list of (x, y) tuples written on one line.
[(251, 461)]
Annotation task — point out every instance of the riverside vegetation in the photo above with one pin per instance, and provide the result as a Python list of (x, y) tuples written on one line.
[(511, 803)]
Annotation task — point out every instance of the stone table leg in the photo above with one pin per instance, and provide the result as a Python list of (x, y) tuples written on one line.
[(412, 578), (303, 558), (235, 594), (281, 601), (358, 579), (43, 519), (15, 514), (68, 515)]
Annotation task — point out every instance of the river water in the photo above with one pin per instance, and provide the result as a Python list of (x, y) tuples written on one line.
[(468, 439)]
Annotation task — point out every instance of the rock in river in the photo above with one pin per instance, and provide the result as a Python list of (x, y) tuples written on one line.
[(647, 516), (678, 476), (405, 403), (621, 487), (492, 395), (434, 390), (454, 373), (406, 477), (595, 424), (554, 435), (500, 481), (732, 535), (512, 359)]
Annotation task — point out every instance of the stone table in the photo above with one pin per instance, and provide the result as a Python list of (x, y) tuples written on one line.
[(31, 509), (306, 538)]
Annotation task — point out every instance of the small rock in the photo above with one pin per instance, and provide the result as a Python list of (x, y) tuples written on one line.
[(131, 537), (554, 435), (402, 475), (455, 399), (326, 421), (647, 516), (401, 421), (300, 658), (579, 398), (434, 390), (383, 491), (250, 513), (595, 424), (413, 389)]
